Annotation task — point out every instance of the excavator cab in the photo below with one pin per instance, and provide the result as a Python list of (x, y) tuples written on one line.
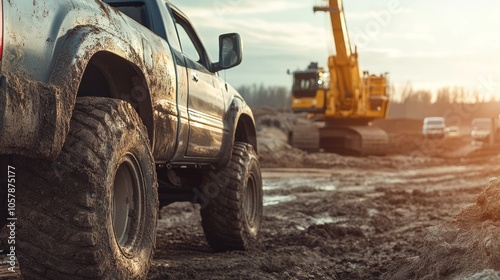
[(309, 89)]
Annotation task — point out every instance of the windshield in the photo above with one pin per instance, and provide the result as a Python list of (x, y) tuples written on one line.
[(486, 123), (306, 81), (305, 84)]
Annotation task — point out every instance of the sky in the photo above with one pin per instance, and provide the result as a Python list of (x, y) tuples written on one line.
[(429, 44)]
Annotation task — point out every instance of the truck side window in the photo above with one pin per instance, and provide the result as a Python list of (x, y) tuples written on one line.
[(173, 40), (188, 46), (135, 10)]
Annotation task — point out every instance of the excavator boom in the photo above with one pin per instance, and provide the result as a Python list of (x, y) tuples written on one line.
[(339, 27)]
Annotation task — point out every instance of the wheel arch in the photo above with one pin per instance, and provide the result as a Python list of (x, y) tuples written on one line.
[(93, 62), (109, 75), (245, 131), (242, 127)]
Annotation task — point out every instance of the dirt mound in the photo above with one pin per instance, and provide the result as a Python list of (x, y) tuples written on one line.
[(274, 150), (461, 248), (272, 133), (280, 119)]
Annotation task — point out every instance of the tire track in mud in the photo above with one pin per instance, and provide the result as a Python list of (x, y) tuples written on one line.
[(344, 223), (341, 223)]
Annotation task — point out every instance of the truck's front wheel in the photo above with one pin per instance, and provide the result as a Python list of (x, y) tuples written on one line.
[(92, 212), (232, 212)]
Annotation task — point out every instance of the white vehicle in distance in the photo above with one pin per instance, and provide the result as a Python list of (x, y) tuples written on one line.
[(434, 127), (481, 129)]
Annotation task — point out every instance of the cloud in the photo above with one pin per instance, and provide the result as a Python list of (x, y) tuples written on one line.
[(239, 7), (374, 14), (221, 9), (408, 36), (263, 33), (280, 35)]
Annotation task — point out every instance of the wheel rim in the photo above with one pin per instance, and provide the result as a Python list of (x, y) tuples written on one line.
[(251, 199), (126, 199)]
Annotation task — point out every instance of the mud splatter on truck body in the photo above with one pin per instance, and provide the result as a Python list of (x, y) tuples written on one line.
[(43, 68)]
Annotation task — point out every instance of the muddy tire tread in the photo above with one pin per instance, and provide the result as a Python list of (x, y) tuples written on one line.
[(73, 227), (222, 219)]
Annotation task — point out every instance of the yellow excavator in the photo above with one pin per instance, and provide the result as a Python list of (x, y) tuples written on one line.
[(342, 99)]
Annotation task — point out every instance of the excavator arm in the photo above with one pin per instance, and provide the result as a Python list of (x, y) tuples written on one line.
[(344, 67), (339, 27)]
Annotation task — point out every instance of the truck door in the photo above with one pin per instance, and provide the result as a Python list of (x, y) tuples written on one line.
[(205, 98)]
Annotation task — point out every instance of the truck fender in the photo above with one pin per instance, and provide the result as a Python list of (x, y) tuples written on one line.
[(242, 128), (78, 48)]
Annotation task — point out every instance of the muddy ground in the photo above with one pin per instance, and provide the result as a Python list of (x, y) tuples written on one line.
[(428, 210)]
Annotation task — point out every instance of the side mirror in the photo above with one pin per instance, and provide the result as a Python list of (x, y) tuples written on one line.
[(230, 51)]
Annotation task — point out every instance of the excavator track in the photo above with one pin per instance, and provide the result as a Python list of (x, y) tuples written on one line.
[(354, 140), (305, 137), (346, 140)]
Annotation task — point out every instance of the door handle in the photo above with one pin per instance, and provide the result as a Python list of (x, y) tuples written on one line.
[(195, 77)]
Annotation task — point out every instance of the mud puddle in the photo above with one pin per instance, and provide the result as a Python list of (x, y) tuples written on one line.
[(277, 199)]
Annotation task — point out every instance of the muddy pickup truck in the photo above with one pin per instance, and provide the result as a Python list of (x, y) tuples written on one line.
[(110, 110)]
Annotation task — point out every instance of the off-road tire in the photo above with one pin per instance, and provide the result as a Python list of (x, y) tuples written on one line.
[(102, 185), (232, 212)]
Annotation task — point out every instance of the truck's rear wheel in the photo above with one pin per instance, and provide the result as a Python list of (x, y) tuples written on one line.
[(92, 212), (232, 216)]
